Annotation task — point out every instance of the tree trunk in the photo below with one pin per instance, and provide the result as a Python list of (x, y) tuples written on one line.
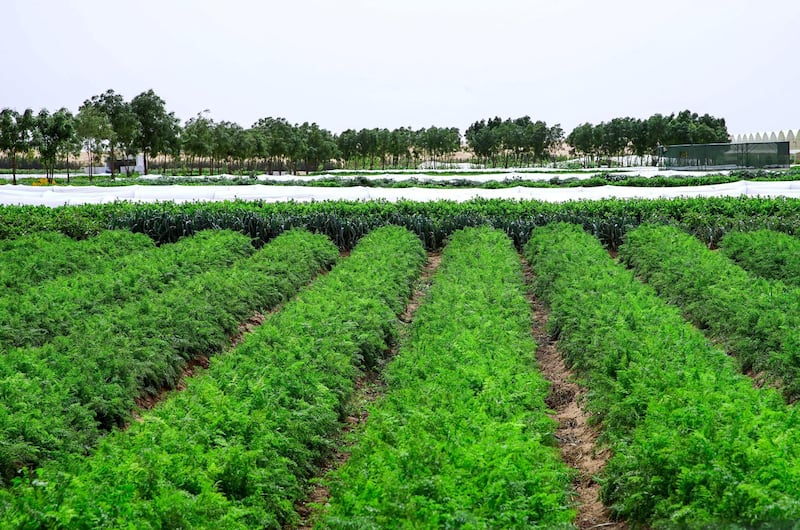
[(144, 160), (113, 163), (14, 168)]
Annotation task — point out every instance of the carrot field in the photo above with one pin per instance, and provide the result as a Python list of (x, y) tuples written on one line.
[(373, 365)]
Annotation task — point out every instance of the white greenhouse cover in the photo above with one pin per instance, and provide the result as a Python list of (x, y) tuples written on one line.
[(61, 195)]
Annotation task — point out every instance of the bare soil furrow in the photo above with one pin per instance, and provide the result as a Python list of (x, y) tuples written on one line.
[(576, 436)]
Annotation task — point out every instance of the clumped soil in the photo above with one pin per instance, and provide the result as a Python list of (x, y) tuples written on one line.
[(369, 388), (576, 437)]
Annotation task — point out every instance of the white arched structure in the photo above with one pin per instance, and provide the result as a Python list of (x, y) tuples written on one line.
[(791, 136)]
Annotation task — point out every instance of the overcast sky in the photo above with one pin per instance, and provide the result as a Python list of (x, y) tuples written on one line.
[(392, 63)]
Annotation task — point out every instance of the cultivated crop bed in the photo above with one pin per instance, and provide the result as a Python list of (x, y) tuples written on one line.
[(688, 355)]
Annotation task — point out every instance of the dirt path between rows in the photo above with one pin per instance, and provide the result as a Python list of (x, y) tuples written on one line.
[(369, 388), (576, 437)]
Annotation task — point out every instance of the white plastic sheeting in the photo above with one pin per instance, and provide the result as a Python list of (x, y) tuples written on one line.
[(61, 195), (433, 175)]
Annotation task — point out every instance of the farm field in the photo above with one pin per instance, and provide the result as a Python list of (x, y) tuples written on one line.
[(202, 364)]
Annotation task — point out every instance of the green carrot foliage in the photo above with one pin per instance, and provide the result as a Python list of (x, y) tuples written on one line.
[(694, 444), (236, 448), (767, 253), (61, 306), (38, 257), (57, 399), (757, 320), (462, 438)]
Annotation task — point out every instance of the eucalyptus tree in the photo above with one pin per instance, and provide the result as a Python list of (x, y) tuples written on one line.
[(16, 135), (124, 125), (400, 143), (318, 146), (347, 143), (157, 127), (71, 148), (245, 148), (383, 145), (554, 140), (53, 133), (224, 136), (439, 142), (367, 145), (197, 139), (581, 140), (484, 140), (93, 127), (274, 138)]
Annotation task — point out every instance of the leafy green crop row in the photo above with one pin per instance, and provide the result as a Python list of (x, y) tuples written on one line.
[(346, 221), (767, 253), (694, 444), (462, 439), (59, 398), (235, 449), (41, 256), (757, 319), (61, 305)]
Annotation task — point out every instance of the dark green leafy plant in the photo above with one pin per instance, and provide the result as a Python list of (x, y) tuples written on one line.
[(346, 221)]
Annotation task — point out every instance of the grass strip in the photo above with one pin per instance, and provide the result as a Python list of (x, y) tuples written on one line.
[(62, 305), (694, 444), (235, 449), (462, 438), (59, 398), (767, 253), (41, 256), (756, 319)]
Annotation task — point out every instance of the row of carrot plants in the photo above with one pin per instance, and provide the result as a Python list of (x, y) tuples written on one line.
[(62, 305), (37, 257), (57, 399), (236, 448), (756, 319), (694, 444), (767, 253), (462, 439)]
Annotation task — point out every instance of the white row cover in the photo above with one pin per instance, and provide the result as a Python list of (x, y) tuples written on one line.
[(433, 175), (61, 195)]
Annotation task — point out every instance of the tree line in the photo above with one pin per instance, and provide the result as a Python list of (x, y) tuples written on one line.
[(519, 142), (627, 137), (107, 125)]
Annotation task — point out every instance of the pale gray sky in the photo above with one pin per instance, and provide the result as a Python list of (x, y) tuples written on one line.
[(357, 63)]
